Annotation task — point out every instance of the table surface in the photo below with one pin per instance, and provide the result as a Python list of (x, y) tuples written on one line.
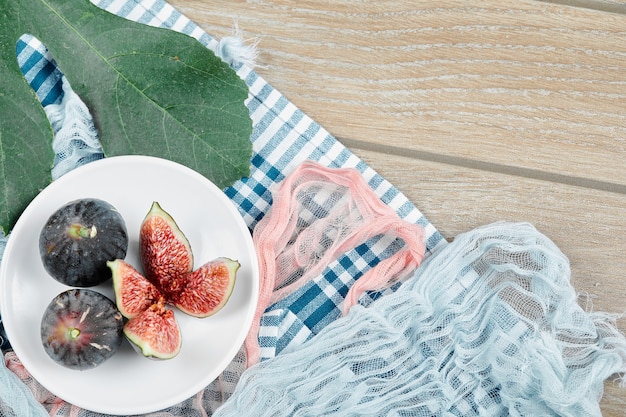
[(478, 111)]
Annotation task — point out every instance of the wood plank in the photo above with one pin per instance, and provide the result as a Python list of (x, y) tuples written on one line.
[(581, 222), (613, 401), (515, 83), (612, 6)]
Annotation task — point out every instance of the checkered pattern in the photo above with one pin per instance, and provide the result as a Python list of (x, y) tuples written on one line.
[(283, 137), (41, 73), (299, 316)]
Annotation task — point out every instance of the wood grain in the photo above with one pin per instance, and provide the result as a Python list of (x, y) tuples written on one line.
[(459, 199), (479, 111), (538, 80)]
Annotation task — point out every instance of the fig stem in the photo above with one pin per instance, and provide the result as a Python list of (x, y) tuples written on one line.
[(73, 333), (78, 231)]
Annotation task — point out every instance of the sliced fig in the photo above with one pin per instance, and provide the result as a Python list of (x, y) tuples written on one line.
[(81, 328), (165, 252), (133, 292), (155, 332), (79, 238), (208, 288)]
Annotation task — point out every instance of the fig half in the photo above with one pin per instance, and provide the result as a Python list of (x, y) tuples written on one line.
[(81, 328), (208, 288), (154, 332), (133, 292), (165, 252)]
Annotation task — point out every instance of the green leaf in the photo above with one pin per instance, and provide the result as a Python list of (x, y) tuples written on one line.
[(150, 91)]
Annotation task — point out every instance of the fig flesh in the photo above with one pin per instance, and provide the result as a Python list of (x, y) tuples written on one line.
[(81, 329), (165, 252), (208, 288), (79, 238), (155, 332), (133, 292)]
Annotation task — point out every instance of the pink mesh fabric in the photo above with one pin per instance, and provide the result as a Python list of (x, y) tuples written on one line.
[(203, 404), (318, 214)]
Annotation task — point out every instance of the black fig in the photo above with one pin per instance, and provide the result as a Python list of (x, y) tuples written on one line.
[(79, 239), (81, 328)]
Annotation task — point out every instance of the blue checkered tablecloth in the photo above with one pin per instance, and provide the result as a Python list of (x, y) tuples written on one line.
[(283, 137)]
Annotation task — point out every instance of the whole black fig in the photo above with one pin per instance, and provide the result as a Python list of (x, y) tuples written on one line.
[(81, 328), (79, 239)]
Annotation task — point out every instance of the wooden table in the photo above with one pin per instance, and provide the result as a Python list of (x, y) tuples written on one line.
[(478, 111)]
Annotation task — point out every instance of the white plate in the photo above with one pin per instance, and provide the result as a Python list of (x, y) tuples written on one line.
[(128, 383)]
